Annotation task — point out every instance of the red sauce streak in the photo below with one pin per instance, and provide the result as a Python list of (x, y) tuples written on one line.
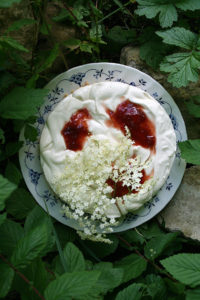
[(75, 132), (129, 114), (119, 190)]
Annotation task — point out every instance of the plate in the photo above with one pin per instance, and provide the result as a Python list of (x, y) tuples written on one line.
[(71, 80)]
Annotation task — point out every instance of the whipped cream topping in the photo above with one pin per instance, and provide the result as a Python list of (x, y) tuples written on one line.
[(99, 99)]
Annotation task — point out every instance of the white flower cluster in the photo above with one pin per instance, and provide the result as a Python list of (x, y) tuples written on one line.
[(83, 184)]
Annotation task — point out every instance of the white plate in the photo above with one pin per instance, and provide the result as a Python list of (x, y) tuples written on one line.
[(71, 80)]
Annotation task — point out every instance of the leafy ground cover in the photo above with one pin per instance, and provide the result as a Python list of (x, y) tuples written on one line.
[(41, 258)]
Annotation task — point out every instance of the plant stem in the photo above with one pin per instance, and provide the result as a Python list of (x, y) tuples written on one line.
[(146, 259), (22, 276), (113, 12)]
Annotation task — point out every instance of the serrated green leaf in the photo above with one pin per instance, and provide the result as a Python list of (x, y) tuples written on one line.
[(133, 266), (102, 249), (6, 189), (121, 36), (71, 285), (65, 234), (157, 245), (73, 258), (188, 4), (190, 151), (193, 108), (2, 136), (150, 230), (21, 103), (87, 47), (2, 218), (132, 236), (193, 294), (8, 3), (156, 287), (30, 133), (31, 246), (20, 203), (183, 68), (6, 278), (179, 36), (12, 173), (37, 275), (184, 267), (10, 42), (175, 287), (62, 16), (10, 232), (152, 52), (134, 291), (20, 23), (150, 8)]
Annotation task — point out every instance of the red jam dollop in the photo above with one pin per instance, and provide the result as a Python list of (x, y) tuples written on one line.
[(129, 114), (75, 132)]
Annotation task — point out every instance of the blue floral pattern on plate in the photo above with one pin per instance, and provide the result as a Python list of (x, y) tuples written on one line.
[(65, 84)]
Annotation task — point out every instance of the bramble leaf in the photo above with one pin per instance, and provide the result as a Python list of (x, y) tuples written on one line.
[(150, 8), (10, 232), (71, 285), (183, 67), (21, 103), (8, 41), (193, 294), (20, 203), (12, 173), (133, 266), (133, 291), (6, 189), (30, 133), (184, 267), (30, 246), (2, 218), (192, 107), (188, 4), (157, 245), (6, 278), (179, 36), (190, 151), (155, 286)]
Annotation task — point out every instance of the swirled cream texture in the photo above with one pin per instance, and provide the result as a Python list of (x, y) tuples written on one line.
[(111, 119)]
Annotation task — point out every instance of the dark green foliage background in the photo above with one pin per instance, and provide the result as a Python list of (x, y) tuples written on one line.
[(41, 258)]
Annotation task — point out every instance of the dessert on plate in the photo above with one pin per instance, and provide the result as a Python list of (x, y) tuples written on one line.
[(105, 150)]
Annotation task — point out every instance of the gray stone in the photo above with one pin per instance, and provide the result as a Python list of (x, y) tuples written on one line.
[(130, 56), (183, 211)]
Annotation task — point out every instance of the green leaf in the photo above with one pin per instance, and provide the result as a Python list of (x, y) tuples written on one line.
[(179, 36), (71, 285), (132, 236), (150, 229), (175, 287), (183, 68), (157, 245), (65, 234), (30, 246), (193, 106), (188, 4), (87, 47), (24, 204), (2, 218), (150, 8), (121, 36), (8, 3), (2, 136), (37, 275), (184, 267), (156, 286), (12, 173), (20, 23), (133, 266), (73, 258), (21, 103), (6, 278), (101, 249), (190, 151), (50, 59), (10, 42), (10, 232), (72, 43), (6, 80), (152, 52), (6, 189), (30, 132), (12, 148), (193, 294), (108, 280), (134, 291)]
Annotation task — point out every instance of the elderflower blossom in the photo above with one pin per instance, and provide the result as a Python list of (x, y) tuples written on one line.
[(83, 185)]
